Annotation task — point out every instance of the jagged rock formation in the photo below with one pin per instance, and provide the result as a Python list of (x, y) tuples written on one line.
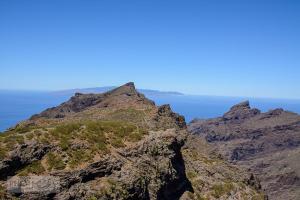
[(115, 145), (81, 102), (267, 144)]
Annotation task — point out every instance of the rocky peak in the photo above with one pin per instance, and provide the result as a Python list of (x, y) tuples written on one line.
[(127, 89), (77, 94), (164, 109), (275, 112), (169, 118), (130, 84), (242, 105), (80, 102), (240, 111)]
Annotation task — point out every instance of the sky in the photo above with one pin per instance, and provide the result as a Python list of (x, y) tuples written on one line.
[(207, 47)]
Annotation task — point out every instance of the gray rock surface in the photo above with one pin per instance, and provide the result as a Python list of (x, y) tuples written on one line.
[(267, 144)]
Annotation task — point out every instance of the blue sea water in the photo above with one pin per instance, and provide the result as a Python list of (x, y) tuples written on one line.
[(16, 106)]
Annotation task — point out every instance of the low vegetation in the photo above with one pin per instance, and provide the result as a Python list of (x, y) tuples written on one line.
[(127, 115), (34, 168), (2, 192), (24, 128), (111, 189), (221, 189), (8, 140), (55, 161), (79, 156), (259, 196), (3, 152), (80, 141)]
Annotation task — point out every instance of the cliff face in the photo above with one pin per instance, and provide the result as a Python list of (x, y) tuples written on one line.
[(267, 144), (116, 145)]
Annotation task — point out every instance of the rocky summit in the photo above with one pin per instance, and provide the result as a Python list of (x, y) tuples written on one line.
[(265, 144), (120, 145)]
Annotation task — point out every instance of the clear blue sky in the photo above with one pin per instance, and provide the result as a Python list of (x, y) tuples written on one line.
[(211, 47)]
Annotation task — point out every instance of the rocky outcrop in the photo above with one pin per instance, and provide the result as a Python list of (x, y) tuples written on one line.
[(22, 155), (240, 112), (151, 169), (79, 102), (260, 142), (168, 119)]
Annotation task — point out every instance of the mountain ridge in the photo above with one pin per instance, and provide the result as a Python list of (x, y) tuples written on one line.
[(115, 145), (265, 143)]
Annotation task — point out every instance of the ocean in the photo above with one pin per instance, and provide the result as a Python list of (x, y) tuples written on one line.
[(16, 106)]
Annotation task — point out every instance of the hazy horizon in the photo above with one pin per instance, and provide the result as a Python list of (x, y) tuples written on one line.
[(18, 106), (150, 89)]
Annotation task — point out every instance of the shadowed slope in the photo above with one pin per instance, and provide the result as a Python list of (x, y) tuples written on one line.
[(268, 144)]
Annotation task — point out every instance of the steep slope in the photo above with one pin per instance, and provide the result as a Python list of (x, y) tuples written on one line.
[(267, 144), (115, 145)]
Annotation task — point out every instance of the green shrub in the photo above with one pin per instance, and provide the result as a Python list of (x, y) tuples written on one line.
[(30, 136), (200, 197), (222, 189), (117, 142), (114, 190), (113, 132), (96, 135), (191, 174), (64, 143), (100, 148), (2, 192), (259, 196), (34, 168), (127, 115), (79, 156), (44, 140), (64, 133), (92, 198), (3, 152), (65, 130), (12, 139), (19, 139), (24, 128), (55, 162), (37, 133)]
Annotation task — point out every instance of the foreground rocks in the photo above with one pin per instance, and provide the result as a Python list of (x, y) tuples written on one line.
[(266, 144), (115, 145)]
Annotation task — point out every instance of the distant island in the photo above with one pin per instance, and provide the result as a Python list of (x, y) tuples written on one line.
[(108, 88)]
